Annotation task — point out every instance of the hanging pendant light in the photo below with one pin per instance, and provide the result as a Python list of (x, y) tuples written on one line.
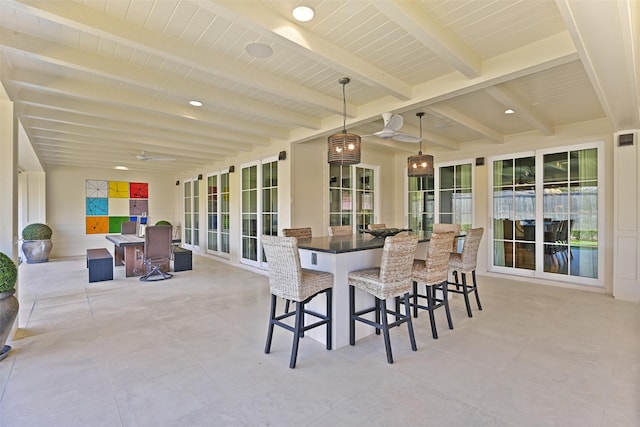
[(344, 148), (420, 164)]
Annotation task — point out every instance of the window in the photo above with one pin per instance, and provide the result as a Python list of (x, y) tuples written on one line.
[(455, 196), (346, 184), (421, 203), (218, 213), (259, 208)]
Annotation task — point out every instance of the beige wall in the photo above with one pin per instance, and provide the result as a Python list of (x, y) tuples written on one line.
[(66, 205)]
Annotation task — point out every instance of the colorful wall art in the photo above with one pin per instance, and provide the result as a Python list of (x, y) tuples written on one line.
[(110, 203)]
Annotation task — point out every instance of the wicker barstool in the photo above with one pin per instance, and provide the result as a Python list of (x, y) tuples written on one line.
[(289, 281), (340, 230), (445, 228), (377, 227), (464, 263), (433, 273), (300, 233), (391, 279)]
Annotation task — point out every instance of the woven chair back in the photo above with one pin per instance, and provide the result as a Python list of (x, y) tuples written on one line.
[(285, 273), (470, 248), (445, 228), (397, 259), (300, 233), (377, 227), (340, 230), (437, 262)]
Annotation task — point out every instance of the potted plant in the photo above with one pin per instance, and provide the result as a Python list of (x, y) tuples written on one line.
[(163, 222), (8, 302), (36, 243)]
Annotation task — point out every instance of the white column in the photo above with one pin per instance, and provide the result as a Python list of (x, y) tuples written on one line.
[(626, 224), (8, 180)]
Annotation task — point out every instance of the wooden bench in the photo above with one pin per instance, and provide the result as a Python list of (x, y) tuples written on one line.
[(100, 265), (181, 259)]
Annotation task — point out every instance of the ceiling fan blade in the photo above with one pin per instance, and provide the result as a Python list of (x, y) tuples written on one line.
[(395, 122), (403, 137)]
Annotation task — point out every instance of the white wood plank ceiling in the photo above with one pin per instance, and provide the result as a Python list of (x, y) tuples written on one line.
[(96, 83)]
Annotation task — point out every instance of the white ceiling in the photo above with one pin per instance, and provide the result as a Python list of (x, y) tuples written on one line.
[(97, 82)]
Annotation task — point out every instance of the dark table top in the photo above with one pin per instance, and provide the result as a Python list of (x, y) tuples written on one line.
[(351, 243), (129, 239)]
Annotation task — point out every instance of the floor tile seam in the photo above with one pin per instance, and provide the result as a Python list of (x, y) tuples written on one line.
[(6, 383)]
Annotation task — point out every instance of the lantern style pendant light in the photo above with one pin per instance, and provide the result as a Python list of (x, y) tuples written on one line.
[(420, 164), (344, 148)]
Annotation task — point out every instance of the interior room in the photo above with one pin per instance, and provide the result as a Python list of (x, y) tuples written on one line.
[(233, 120)]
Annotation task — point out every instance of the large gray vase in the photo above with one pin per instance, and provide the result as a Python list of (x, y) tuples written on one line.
[(36, 251), (8, 312)]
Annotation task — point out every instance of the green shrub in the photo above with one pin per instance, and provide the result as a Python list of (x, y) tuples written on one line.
[(8, 273), (163, 222), (37, 231)]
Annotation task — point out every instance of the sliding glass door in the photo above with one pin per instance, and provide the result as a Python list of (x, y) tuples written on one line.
[(546, 214)]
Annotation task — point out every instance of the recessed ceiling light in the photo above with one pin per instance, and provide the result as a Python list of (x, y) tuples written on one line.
[(259, 50), (122, 168), (509, 111), (195, 103), (303, 13)]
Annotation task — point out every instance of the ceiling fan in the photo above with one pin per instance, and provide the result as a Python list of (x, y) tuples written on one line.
[(393, 122), (144, 157)]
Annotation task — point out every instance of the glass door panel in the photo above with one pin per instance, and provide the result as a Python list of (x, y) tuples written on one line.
[(564, 229), (421, 199)]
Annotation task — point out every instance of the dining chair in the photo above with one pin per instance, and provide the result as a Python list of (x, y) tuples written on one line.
[(433, 273), (445, 228), (392, 279), (158, 250), (288, 280), (300, 233), (465, 262), (340, 230), (377, 226)]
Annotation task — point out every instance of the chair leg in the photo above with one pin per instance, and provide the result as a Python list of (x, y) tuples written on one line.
[(415, 299), (352, 310), (286, 306), (378, 317), (296, 334), (407, 309), (382, 309), (445, 301), (465, 293), (272, 315), (455, 277), (329, 295), (475, 289), (432, 319)]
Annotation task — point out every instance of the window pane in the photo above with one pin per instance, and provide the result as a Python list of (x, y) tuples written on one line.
[(584, 164), (525, 171), (503, 172), (556, 167), (446, 177)]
